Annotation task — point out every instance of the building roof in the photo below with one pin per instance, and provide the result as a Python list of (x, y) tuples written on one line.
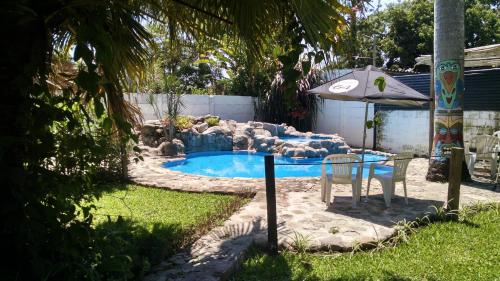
[(482, 89), (485, 56)]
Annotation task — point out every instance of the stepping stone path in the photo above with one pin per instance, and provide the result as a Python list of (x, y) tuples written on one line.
[(300, 214)]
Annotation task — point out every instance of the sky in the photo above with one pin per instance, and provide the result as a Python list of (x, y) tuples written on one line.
[(384, 3)]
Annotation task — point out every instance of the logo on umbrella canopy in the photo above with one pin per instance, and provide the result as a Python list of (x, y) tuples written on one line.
[(343, 86)]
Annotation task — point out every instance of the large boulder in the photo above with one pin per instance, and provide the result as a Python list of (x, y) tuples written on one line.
[(315, 144), (240, 142), (173, 148), (201, 127), (229, 124), (262, 132), (217, 130), (311, 152), (294, 152), (272, 128), (290, 130), (151, 132), (281, 129), (212, 139)]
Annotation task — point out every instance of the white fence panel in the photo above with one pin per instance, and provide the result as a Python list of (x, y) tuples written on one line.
[(345, 118), (404, 130), (401, 130), (239, 108)]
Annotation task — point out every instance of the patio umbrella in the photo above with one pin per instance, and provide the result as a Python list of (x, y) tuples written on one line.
[(359, 85)]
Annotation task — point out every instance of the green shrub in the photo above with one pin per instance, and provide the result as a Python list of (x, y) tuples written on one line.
[(212, 121), (183, 122)]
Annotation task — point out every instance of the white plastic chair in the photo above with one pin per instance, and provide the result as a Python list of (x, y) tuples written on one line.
[(389, 179), (486, 150), (497, 134), (342, 165)]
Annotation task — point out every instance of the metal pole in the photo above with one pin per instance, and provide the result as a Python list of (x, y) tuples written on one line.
[(272, 226), (364, 136), (360, 176)]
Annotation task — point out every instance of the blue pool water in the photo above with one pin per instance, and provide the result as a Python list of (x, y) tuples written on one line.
[(243, 164)]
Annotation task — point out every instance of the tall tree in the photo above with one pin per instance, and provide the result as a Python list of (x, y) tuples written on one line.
[(406, 29), (44, 176), (448, 84)]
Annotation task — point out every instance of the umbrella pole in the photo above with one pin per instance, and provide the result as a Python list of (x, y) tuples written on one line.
[(363, 148), (364, 135)]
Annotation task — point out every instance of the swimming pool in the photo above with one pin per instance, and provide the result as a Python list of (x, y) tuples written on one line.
[(245, 164)]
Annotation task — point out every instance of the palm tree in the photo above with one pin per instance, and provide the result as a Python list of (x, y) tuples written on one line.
[(448, 84), (108, 40)]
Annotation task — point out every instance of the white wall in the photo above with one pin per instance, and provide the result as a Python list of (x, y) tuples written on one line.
[(345, 118), (408, 130), (239, 108), (401, 130), (404, 130)]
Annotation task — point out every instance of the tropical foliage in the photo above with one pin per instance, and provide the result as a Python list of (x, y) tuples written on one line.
[(404, 31), (49, 150)]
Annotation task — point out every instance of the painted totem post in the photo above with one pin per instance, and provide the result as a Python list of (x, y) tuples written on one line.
[(448, 84)]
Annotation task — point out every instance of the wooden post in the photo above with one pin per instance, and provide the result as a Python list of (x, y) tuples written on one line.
[(455, 178), (272, 226)]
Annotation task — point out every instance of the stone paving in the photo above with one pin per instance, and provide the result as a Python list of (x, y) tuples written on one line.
[(300, 214)]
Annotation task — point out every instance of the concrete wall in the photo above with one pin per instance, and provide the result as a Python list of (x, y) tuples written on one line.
[(401, 130), (481, 123), (345, 118), (239, 108), (408, 130), (404, 130)]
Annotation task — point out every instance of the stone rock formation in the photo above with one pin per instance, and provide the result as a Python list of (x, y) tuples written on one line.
[(230, 135), (173, 148)]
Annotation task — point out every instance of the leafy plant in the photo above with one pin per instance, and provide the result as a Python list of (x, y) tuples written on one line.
[(174, 91), (380, 83), (183, 122), (212, 121), (377, 120), (300, 242), (272, 106)]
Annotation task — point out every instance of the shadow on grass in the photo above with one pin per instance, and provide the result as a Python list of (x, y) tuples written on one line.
[(109, 187), (128, 250)]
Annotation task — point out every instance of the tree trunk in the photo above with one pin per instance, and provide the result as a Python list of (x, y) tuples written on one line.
[(123, 157), (171, 129), (448, 85)]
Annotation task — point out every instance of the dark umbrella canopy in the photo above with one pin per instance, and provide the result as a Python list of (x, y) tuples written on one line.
[(358, 85)]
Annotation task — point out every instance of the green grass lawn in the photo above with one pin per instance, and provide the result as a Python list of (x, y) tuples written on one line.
[(150, 206), (467, 250), (139, 226)]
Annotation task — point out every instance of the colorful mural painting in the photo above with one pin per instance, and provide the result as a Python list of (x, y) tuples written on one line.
[(449, 85), (448, 133), (449, 95)]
